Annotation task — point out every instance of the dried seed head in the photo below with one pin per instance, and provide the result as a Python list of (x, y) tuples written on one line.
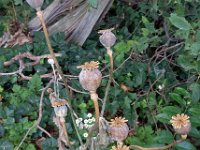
[(181, 124), (36, 4), (118, 129), (120, 147), (107, 38), (90, 76), (60, 111)]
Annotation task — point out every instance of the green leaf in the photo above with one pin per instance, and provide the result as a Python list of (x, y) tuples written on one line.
[(5, 145), (182, 91), (30, 147), (185, 145), (179, 22), (93, 3), (176, 97), (83, 106), (195, 92), (164, 137), (35, 83), (49, 143)]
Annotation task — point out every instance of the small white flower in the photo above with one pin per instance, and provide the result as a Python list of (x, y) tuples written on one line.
[(93, 119), (89, 115), (160, 87), (50, 61), (85, 135), (85, 121), (78, 120)]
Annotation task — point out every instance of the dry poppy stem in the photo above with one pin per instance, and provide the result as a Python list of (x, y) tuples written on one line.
[(109, 52), (40, 16), (156, 148), (94, 98), (62, 122)]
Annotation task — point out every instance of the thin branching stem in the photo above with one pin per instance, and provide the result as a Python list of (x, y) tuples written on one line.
[(109, 52), (156, 148)]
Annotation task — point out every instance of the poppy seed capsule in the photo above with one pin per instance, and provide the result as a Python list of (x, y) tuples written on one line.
[(36, 4), (184, 129), (107, 38), (181, 124), (90, 76), (118, 129), (60, 111)]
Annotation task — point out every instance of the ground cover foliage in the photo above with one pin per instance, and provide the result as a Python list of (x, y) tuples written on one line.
[(156, 72)]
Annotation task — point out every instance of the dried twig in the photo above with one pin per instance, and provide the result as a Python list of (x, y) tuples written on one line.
[(156, 148)]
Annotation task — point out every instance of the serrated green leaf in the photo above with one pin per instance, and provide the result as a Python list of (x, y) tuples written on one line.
[(179, 22)]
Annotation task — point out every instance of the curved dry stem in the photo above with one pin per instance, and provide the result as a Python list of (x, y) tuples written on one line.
[(39, 117), (62, 122), (156, 148)]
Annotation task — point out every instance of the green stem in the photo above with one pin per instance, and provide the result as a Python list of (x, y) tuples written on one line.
[(109, 52)]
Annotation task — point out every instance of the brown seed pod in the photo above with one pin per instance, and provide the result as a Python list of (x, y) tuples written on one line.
[(118, 129), (181, 124), (90, 76), (60, 111), (36, 4), (107, 38)]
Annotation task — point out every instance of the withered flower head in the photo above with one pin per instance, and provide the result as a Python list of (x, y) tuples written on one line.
[(120, 147), (89, 65), (181, 123), (118, 129), (118, 121), (107, 38), (90, 76)]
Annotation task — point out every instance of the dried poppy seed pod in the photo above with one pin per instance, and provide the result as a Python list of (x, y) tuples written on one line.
[(60, 111), (107, 38), (181, 124), (118, 129), (90, 76), (36, 4)]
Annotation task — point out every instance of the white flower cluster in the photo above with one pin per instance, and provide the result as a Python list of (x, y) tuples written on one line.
[(86, 123)]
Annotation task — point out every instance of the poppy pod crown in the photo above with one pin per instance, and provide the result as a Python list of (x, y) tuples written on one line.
[(181, 123), (118, 129), (90, 76)]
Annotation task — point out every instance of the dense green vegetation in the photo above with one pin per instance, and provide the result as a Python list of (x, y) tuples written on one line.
[(156, 57)]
